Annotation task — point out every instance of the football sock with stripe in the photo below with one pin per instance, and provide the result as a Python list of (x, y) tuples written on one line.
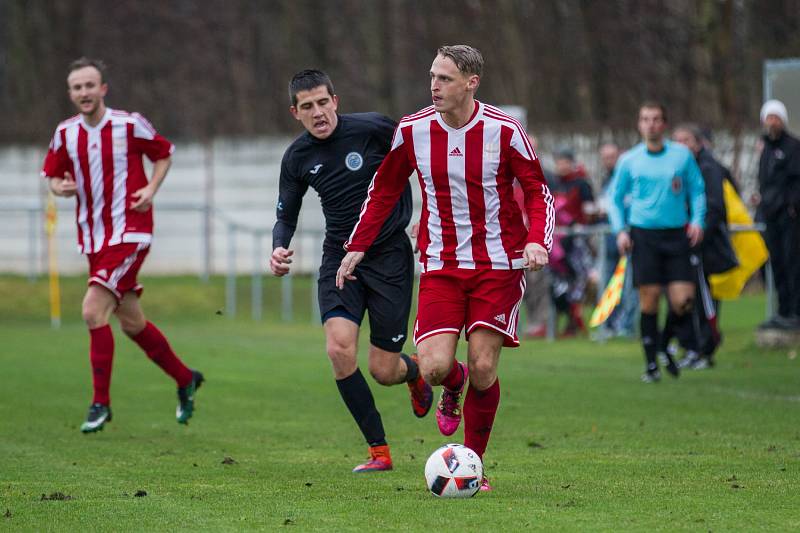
[(480, 408), (157, 348), (359, 400), (101, 357)]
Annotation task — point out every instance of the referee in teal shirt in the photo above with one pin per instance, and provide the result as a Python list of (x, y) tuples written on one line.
[(664, 221)]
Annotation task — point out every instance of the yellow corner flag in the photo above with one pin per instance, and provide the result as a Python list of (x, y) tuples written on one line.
[(611, 295), (51, 217), (748, 245)]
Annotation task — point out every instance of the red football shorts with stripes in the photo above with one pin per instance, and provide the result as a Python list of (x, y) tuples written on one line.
[(116, 268), (452, 300)]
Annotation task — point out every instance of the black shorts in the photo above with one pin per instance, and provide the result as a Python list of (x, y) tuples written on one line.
[(385, 281), (660, 256)]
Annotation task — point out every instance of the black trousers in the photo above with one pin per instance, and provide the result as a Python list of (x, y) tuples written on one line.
[(782, 237)]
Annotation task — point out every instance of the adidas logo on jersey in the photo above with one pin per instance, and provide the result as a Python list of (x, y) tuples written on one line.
[(456, 152), (94, 146), (501, 319)]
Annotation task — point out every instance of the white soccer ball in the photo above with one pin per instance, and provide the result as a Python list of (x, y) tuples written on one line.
[(454, 471)]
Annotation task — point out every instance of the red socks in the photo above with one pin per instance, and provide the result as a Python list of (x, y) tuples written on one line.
[(155, 345), (101, 355), (455, 378), (479, 410)]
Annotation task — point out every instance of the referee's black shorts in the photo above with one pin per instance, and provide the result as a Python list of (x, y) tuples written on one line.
[(660, 256), (384, 284)]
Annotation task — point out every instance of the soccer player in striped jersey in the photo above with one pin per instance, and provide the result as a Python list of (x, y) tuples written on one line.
[(96, 156), (472, 239)]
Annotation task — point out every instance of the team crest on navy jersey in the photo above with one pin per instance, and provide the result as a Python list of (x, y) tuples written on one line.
[(677, 184), (354, 161)]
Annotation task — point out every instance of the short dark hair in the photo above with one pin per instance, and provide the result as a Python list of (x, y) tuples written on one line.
[(653, 104), (693, 129), (83, 62), (469, 60), (308, 79)]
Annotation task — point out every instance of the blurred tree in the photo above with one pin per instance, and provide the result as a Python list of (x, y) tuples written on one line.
[(221, 67)]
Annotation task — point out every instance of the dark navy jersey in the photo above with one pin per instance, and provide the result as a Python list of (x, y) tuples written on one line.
[(340, 168)]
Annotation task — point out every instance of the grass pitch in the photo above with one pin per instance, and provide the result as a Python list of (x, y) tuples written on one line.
[(579, 443)]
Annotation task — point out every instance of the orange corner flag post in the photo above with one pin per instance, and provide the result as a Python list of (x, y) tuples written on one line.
[(611, 295), (51, 217)]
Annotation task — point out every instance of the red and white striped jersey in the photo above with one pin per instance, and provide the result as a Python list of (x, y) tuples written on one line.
[(106, 162), (470, 219)]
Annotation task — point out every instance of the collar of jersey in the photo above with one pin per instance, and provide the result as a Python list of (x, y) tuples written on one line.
[(99, 124), (471, 122)]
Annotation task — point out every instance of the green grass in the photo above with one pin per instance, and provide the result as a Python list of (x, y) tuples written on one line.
[(579, 443)]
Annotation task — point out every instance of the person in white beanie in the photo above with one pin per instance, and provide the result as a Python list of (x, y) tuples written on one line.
[(779, 208)]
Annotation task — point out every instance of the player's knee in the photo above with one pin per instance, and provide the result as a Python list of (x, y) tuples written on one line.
[(683, 306), (340, 353), (481, 373), (93, 315), (131, 326), (381, 373), (432, 372)]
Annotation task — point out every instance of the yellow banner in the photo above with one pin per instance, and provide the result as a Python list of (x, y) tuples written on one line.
[(748, 245)]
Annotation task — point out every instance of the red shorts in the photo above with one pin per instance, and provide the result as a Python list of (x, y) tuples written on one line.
[(452, 300), (116, 268)]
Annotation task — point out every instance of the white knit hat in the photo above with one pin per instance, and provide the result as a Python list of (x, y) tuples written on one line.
[(775, 107)]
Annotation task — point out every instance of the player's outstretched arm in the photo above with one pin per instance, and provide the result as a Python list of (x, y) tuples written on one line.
[(348, 266), (65, 186), (280, 260)]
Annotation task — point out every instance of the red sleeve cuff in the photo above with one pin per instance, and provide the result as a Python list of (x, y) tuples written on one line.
[(352, 247)]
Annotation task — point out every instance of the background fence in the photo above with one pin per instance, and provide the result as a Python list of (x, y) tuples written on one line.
[(222, 184)]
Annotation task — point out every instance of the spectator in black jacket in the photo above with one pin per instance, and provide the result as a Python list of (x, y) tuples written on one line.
[(779, 208), (716, 255)]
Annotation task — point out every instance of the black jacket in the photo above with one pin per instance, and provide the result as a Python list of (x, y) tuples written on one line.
[(779, 175), (718, 254)]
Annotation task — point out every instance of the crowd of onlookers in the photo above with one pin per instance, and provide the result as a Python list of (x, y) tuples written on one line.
[(585, 251)]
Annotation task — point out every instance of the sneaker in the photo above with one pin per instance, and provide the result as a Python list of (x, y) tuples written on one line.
[(421, 394), (670, 365), (98, 415), (185, 408), (485, 486), (702, 363), (651, 374), (689, 359), (380, 460), (448, 412)]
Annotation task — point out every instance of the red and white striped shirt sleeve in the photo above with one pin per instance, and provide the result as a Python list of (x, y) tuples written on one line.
[(149, 141), (384, 192), (538, 203), (56, 162)]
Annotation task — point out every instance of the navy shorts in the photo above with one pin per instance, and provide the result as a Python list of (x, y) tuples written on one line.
[(384, 284), (660, 256)]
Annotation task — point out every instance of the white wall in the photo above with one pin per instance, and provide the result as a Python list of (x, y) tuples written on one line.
[(245, 182)]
